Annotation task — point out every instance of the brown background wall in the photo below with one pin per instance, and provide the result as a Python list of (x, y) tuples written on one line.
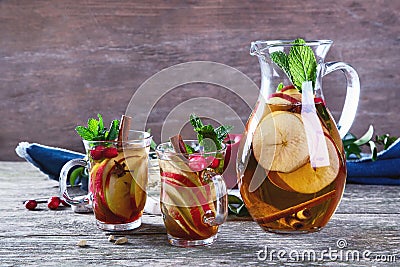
[(64, 61)]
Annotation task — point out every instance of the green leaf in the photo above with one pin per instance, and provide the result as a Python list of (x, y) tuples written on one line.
[(207, 136), (75, 174), (153, 144), (280, 87), (386, 140), (222, 131), (236, 206), (114, 130), (374, 150), (95, 130), (302, 64), (352, 149), (85, 133), (196, 122), (93, 125), (281, 60), (366, 137), (101, 123), (189, 149)]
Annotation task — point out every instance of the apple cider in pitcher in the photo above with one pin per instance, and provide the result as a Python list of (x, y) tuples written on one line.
[(282, 186)]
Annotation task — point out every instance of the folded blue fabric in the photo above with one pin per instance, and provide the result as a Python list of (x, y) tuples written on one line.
[(47, 159), (384, 171)]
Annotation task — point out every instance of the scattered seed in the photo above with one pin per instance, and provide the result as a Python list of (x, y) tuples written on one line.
[(111, 238), (121, 240), (82, 243)]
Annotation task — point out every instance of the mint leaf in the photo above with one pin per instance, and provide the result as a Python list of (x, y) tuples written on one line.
[(281, 59), (114, 129), (280, 87), (95, 130), (302, 64), (85, 133), (207, 136), (236, 206), (93, 125), (222, 131), (189, 149), (196, 122)]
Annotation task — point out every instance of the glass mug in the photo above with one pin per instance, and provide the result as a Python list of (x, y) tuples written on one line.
[(291, 163), (118, 176), (193, 194)]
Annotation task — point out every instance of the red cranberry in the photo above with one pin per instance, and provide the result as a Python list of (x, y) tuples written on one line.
[(30, 204), (197, 163), (215, 163), (97, 152), (110, 152), (53, 203)]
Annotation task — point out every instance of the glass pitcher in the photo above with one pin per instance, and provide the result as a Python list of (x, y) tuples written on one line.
[(291, 164)]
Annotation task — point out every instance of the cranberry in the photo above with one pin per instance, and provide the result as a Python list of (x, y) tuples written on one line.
[(215, 163), (97, 152), (110, 152), (197, 163), (53, 203), (30, 204)]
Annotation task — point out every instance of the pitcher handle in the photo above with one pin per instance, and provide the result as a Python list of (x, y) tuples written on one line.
[(221, 206), (80, 204), (352, 94)]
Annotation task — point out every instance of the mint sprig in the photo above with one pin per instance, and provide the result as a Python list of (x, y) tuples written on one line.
[(299, 65), (95, 130), (206, 132)]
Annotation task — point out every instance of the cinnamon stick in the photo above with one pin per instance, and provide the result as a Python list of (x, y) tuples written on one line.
[(124, 127), (289, 211), (293, 222), (178, 144), (303, 214)]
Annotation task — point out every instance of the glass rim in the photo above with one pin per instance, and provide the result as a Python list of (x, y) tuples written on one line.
[(258, 47), (146, 136), (289, 42), (159, 149)]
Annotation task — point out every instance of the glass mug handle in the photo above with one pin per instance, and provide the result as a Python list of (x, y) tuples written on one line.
[(221, 206), (80, 204), (352, 94)]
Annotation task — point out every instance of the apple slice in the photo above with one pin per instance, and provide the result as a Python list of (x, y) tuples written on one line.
[(117, 194), (307, 179), (289, 99), (183, 206), (280, 142)]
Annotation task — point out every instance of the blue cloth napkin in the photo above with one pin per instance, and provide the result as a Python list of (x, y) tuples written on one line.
[(48, 160), (384, 171)]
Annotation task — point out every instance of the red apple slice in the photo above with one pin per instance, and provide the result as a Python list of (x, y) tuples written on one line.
[(287, 87), (285, 96)]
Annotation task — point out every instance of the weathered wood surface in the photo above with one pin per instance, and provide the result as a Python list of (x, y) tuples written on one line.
[(63, 61), (368, 219)]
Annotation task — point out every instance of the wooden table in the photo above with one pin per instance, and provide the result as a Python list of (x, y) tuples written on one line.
[(366, 222)]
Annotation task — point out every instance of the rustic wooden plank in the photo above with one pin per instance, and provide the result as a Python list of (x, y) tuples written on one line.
[(48, 238), (63, 61)]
